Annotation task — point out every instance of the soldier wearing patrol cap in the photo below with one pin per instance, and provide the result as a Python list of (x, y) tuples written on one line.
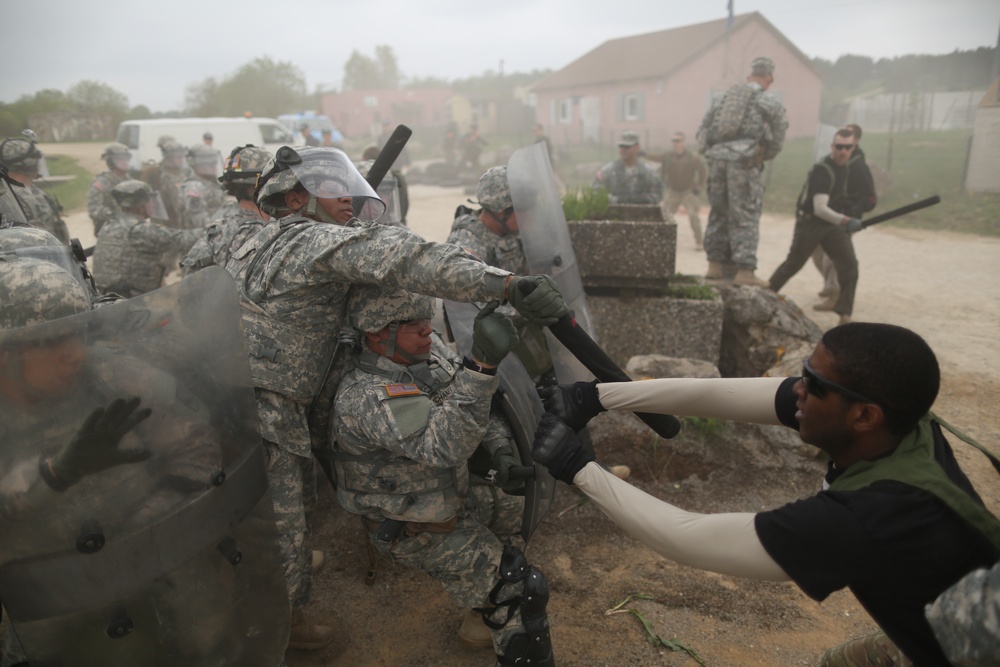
[(743, 129), (629, 180), (403, 444), (41, 210), (133, 253), (294, 277), (101, 206)]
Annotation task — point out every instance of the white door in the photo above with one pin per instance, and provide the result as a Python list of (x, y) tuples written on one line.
[(590, 118)]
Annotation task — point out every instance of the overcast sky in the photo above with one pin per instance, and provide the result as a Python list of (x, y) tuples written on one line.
[(151, 50)]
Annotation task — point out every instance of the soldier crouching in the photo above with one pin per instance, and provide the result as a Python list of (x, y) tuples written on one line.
[(408, 417)]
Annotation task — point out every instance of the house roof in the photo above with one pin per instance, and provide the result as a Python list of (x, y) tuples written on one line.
[(654, 54)]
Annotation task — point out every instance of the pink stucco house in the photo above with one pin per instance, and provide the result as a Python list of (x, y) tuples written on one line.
[(662, 82)]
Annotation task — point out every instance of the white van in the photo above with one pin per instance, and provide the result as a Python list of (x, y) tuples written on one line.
[(227, 133)]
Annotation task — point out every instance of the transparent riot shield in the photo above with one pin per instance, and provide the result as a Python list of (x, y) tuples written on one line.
[(547, 246), (172, 560), (522, 409)]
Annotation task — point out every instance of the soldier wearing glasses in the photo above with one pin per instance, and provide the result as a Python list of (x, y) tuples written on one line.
[(897, 521), (821, 222)]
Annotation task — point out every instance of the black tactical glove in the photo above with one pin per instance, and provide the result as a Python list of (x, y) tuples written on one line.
[(493, 335), (95, 446), (543, 304), (557, 448), (576, 404), (853, 225), (501, 462)]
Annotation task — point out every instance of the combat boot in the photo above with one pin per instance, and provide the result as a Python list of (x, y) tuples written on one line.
[(474, 634), (826, 305), (714, 271), (318, 560), (306, 634), (747, 278)]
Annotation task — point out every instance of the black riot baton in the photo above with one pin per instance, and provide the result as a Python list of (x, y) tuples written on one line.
[(568, 332), (383, 163), (902, 210)]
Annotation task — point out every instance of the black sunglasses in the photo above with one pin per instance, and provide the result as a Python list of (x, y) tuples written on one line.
[(844, 147), (817, 385)]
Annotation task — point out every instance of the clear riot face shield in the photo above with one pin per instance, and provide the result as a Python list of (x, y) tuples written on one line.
[(327, 173), (156, 209), (171, 560)]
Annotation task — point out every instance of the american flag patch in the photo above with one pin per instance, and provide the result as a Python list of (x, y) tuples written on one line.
[(402, 389)]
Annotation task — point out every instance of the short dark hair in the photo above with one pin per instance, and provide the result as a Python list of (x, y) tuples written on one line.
[(889, 364), (845, 132), (855, 128)]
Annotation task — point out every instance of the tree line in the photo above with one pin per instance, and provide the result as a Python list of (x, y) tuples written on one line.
[(266, 87)]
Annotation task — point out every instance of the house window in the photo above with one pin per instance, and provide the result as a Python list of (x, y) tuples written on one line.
[(565, 111), (633, 107)]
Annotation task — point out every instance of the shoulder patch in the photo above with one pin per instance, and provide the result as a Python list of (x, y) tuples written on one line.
[(393, 390)]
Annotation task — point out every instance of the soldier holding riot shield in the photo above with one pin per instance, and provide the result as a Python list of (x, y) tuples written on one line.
[(409, 416), (136, 524)]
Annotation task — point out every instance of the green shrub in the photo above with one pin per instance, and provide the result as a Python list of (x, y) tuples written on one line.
[(586, 204)]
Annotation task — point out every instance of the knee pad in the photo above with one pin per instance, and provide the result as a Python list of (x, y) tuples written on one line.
[(533, 644)]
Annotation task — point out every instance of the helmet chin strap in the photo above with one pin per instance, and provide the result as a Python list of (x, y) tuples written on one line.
[(391, 351), (314, 210)]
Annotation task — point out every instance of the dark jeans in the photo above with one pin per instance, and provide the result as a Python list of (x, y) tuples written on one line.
[(836, 241)]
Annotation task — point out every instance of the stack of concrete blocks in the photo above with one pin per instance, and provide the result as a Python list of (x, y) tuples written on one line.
[(628, 267)]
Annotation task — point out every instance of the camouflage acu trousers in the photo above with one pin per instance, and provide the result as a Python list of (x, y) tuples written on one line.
[(672, 201), (874, 650), (467, 563), (736, 195), (292, 481)]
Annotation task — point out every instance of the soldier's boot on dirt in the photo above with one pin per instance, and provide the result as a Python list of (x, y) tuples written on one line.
[(307, 634), (474, 634), (747, 278), (318, 560), (714, 271), (826, 305)]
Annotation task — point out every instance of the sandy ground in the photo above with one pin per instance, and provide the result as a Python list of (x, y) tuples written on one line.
[(944, 286)]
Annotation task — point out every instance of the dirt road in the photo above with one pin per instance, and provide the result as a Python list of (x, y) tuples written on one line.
[(944, 286)]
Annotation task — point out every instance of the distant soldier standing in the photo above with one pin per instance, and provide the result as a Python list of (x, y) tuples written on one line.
[(201, 196), (173, 171), (131, 254), (629, 180), (743, 129), (225, 235), (101, 206), (22, 157)]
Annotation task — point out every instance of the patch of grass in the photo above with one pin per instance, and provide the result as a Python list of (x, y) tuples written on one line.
[(586, 204), (689, 291), (706, 427), (920, 164), (651, 635), (73, 193)]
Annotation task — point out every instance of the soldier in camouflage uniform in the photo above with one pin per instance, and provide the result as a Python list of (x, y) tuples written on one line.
[(491, 232), (294, 277), (743, 129), (201, 196), (133, 253), (101, 206), (41, 209), (629, 180), (227, 234), (173, 171), (408, 417), (966, 619)]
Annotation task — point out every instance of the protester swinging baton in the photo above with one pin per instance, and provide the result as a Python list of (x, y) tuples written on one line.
[(902, 210), (584, 348)]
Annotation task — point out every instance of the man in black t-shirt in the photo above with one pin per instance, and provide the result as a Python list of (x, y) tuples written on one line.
[(897, 521), (823, 220)]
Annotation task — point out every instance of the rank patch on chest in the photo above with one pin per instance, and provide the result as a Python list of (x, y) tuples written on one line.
[(402, 390)]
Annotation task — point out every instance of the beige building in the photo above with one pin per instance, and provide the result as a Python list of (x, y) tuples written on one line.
[(983, 173)]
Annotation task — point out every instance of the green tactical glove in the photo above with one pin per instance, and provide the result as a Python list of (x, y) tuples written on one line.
[(493, 335), (542, 304), (95, 446), (501, 462)]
